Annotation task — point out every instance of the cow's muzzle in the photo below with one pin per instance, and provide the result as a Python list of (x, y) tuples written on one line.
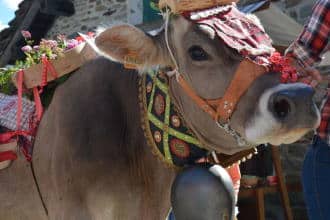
[(284, 114), (290, 102)]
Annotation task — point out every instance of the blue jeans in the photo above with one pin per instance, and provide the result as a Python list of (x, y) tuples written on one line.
[(316, 180)]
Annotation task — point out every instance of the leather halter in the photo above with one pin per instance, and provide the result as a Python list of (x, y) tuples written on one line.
[(221, 109)]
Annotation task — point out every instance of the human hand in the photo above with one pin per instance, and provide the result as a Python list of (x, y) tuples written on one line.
[(308, 75)]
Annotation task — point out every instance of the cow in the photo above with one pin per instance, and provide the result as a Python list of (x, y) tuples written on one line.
[(91, 158)]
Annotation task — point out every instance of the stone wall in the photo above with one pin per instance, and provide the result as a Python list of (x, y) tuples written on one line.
[(92, 13)]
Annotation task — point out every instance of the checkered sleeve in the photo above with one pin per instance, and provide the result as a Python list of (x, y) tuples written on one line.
[(314, 39)]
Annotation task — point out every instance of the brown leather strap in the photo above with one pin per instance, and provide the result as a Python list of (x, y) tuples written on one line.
[(228, 160), (246, 73), (222, 108), (197, 99)]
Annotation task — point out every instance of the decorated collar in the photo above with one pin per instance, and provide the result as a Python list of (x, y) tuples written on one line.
[(165, 130)]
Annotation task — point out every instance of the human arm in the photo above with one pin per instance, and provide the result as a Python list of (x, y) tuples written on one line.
[(307, 50)]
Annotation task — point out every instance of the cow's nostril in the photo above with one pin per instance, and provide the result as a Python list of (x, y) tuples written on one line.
[(281, 107)]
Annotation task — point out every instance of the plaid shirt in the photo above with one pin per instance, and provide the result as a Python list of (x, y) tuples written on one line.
[(308, 49), (313, 41)]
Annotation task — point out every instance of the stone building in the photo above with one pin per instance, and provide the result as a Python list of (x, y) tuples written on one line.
[(91, 13)]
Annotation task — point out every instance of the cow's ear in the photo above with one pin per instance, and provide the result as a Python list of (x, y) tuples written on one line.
[(130, 46)]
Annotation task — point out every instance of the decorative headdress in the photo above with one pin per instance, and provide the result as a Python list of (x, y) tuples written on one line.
[(243, 33)]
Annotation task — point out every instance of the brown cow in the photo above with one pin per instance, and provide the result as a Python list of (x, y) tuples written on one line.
[(91, 159)]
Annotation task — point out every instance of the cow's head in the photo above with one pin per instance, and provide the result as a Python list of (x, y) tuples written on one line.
[(268, 112)]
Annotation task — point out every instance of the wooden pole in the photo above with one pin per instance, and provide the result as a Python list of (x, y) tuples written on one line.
[(281, 183), (260, 203)]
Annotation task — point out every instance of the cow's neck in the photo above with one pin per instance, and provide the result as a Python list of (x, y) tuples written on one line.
[(168, 132), (163, 126)]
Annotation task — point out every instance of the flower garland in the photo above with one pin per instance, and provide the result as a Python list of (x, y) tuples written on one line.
[(283, 65), (35, 54)]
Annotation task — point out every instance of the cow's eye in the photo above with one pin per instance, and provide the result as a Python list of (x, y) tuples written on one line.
[(197, 53)]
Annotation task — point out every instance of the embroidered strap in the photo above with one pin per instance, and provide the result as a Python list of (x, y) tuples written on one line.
[(166, 132), (183, 136), (164, 129)]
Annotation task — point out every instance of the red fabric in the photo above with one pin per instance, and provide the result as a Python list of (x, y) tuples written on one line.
[(6, 137), (237, 30), (47, 67), (7, 155), (37, 101), (246, 35), (19, 97)]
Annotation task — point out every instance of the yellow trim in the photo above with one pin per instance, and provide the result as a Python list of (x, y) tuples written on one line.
[(167, 152), (146, 127)]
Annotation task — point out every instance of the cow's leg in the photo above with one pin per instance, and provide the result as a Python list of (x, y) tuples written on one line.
[(200, 193)]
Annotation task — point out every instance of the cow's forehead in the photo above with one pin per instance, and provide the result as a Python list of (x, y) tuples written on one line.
[(183, 29), (180, 26)]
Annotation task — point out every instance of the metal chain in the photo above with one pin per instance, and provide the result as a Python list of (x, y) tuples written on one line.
[(239, 139)]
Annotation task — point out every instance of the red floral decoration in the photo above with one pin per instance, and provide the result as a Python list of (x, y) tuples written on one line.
[(91, 34), (80, 39), (282, 64)]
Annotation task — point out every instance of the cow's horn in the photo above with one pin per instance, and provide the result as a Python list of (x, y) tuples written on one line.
[(179, 6)]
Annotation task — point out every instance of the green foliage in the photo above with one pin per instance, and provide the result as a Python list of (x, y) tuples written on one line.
[(6, 86), (6, 83)]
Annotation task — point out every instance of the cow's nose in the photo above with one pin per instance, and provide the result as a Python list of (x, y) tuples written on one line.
[(289, 101)]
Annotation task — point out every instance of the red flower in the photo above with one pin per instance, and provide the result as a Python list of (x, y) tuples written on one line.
[(282, 65), (285, 76), (80, 39), (275, 58), (26, 48), (286, 61), (287, 69), (91, 34), (294, 77), (26, 34)]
